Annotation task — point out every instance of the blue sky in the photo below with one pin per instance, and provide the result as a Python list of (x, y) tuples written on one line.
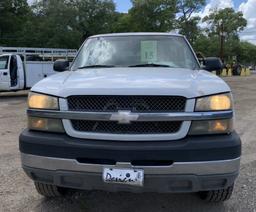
[(125, 5), (237, 3)]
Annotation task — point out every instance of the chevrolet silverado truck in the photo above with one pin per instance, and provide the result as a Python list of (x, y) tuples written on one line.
[(133, 112)]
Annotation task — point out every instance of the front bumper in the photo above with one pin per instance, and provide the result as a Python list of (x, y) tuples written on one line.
[(196, 163), (161, 183)]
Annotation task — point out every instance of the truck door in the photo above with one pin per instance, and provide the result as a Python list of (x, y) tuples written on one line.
[(4, 73), (21, 72), (34, 71), (14, 71), (17, 76)]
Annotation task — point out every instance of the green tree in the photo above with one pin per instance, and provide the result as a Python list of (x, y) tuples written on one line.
[(95, 16), (225, 25), (13, 16), (66, 24), (187, 23), (122, 23), (226, 21), (152, 15), (247, 53), (52, 25), (190, 28), (207, 46)]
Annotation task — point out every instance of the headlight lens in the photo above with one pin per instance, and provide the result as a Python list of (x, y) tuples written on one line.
[(44, 124), (41, 101), (223, 126), (214, 103)]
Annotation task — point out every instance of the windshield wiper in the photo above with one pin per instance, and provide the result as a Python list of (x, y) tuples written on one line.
[(97, 66), (150, 65)]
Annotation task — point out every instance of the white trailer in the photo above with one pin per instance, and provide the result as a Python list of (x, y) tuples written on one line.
[(21, 68)]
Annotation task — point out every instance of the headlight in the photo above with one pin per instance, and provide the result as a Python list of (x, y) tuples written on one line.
[(41, 101), (214, 103), (44, 124), (223, 126)]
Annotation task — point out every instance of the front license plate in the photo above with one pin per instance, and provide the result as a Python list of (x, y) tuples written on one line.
[(132, 177)]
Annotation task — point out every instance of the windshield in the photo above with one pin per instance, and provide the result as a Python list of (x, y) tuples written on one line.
[(132, 51)]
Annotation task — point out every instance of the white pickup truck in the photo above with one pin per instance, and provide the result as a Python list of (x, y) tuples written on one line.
[(134, 112), (21, 68)]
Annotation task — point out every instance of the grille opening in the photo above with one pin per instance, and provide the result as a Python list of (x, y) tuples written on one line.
[(132, 103), (112, 127)]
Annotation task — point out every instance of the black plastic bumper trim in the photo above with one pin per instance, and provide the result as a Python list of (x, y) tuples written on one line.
[(152, 183), (193, 148)]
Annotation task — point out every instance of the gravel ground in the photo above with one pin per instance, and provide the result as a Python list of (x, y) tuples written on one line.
[(18, 194)]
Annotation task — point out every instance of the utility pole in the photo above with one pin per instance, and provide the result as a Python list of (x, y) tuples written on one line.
[(222, 38)]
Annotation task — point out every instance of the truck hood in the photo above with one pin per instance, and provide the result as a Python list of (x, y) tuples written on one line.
[(133, 81)]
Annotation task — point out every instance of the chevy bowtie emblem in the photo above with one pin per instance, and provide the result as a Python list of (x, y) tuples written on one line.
[(124, 117)]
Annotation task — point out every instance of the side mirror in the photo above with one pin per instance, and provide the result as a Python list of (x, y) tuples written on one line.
[(213, 64), (60, 65)]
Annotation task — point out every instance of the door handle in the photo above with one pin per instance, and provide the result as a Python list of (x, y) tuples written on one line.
[(5, 73)]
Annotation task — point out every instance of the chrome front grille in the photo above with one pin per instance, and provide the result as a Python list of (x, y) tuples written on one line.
[(138, 104), (126, 117), (164, 127)]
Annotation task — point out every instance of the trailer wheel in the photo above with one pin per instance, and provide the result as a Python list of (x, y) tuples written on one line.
[(217, 195), (237, 70), (48, 190), (218, 72)]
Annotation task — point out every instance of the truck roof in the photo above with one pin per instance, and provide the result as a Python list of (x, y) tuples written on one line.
[(137, 34)]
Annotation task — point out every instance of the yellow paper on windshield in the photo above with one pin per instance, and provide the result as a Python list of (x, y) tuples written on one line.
[(148, 51)]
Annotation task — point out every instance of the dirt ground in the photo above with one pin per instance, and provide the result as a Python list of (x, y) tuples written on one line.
[(18, 194)]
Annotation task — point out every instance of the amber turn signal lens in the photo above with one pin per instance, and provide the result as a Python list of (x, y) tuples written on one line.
[(219, 126), (38, 123), (223, 126), (44, 124)]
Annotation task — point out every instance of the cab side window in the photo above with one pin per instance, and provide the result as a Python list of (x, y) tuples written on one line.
[(4, 62)]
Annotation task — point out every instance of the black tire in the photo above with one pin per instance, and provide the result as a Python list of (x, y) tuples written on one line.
[(217, 195), (237, 70), (218, 72), (48, 190)]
